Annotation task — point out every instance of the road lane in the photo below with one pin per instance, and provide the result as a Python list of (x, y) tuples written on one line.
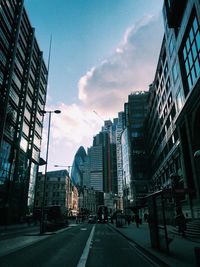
[(84, 257), (62, 249), (110, 249)]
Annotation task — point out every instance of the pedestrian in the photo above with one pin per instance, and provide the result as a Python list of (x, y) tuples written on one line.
[(126, 219), (137, 220), (146, 217), (111, 219), (129, 219), (77, 219), (181, 222)]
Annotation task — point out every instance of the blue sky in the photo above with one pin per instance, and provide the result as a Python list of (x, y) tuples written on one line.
[(101, 50)]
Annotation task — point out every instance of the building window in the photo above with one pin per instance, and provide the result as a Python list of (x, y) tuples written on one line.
[(179, 100), (167, 84), (171, 46), (190, 53), (174, 72), (166, 70)]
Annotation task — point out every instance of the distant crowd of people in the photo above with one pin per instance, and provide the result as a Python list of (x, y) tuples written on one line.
[(127, 219)]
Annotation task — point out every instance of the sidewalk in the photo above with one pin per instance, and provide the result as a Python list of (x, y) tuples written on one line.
[(10, 245), (6, 228), (181, 250)]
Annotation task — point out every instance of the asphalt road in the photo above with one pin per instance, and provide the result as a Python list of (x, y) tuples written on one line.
[(110, 249), (61, 249), (106, 248)]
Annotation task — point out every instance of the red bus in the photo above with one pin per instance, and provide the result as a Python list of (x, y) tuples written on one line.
[(102, 214)]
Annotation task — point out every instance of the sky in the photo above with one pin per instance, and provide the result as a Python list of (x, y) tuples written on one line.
[(102, 50)]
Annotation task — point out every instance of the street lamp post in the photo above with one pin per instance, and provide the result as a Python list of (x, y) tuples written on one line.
[(42, 228)]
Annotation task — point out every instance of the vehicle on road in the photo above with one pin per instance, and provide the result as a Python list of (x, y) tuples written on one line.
[(102, 214), (92, 219)]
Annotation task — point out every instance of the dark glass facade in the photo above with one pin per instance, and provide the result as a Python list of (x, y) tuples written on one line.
[(78, 167), (135, 179), (190, 54), (23, 78)]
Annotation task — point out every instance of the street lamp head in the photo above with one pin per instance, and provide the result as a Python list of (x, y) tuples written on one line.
[(57, 111), (68, 166), (50, 111), (43, 112)]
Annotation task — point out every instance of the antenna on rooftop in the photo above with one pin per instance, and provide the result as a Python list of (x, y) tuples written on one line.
[(98, 115)]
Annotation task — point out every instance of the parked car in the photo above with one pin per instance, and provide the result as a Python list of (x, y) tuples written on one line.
[(92, 219)]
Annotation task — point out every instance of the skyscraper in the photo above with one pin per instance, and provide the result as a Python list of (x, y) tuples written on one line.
[(135, 180), (119, 130), (95, 154), (78, 167)]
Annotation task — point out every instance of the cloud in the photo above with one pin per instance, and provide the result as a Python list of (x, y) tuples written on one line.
[(130, 68), (105, 88), (74, 123), (73, 127)]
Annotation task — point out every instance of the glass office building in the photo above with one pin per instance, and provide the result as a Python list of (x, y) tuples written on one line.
[(135, 179), (78, 167), (23, 80)]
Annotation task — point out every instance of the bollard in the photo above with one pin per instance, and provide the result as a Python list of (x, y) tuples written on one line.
[(197, 256)]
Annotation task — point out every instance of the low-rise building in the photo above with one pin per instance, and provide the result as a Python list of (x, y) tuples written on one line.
[(57, 191), (86, 200)]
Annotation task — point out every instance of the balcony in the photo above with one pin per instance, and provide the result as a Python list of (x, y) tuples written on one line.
[(174, 11)]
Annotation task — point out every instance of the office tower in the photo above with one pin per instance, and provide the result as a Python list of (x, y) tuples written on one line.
[(102, 139), (119, 129), (95, 154), (174, 114), (135, 180), (23, 80), (78, 167)]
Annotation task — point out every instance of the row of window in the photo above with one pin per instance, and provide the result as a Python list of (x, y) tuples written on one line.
[(191, 54)]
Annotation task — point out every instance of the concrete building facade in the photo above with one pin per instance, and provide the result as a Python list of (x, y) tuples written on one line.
[(58, 189)]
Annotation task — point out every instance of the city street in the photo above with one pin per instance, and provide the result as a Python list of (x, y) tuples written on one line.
[(69, 248), (99, 133)]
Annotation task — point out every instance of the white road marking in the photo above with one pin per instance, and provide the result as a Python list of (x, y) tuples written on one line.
[(83, 259)]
